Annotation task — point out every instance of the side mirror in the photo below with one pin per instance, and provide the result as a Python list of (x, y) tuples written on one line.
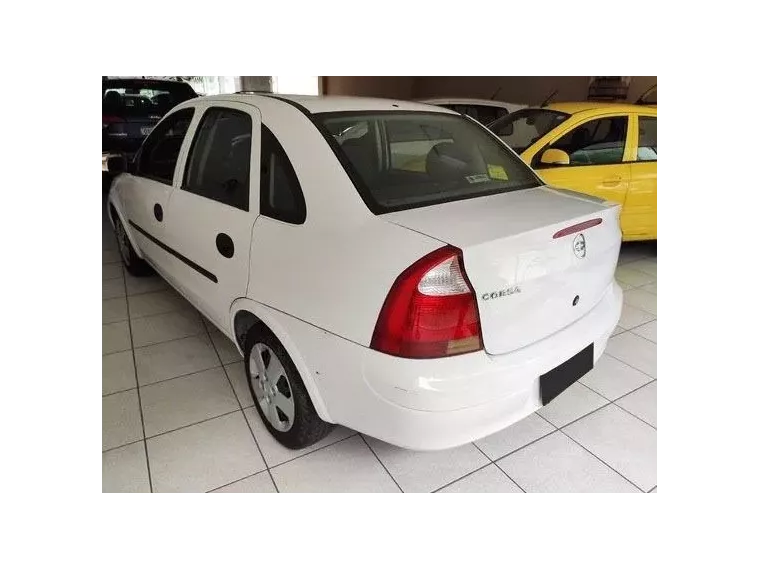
[(506, 130), (116, 164), (554, 157)]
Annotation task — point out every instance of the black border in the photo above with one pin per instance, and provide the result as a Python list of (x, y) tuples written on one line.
[(270, 145)]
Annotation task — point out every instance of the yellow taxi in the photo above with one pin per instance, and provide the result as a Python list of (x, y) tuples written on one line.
[(606, 150)]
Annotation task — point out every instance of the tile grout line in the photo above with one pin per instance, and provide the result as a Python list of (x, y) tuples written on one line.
[(603, 461), (381, 463), (239, 403), (627, 364), (561, 430), (498, 467), (614, 401), (353, 434), (462, 477), (285, 462), (177, 377), (524, 446), (139, 398)]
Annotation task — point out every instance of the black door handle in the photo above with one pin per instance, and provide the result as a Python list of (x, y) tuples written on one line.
[(225, 245), (158, 212)]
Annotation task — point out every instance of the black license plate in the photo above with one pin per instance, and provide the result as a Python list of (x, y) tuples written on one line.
[(552, 383)]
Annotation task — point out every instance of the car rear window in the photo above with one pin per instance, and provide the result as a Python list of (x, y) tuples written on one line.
[(402, 160), (125, 98)]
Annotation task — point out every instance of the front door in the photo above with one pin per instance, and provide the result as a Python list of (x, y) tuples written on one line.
[(211, 214), (597, 152), (148, 188)]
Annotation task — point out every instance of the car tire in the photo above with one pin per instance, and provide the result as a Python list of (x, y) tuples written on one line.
[(134, 265), (305, 427)]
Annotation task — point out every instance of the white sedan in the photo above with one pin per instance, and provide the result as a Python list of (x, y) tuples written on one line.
[(416, 282)]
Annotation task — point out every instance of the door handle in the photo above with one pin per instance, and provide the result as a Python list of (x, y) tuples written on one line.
[(612, 181), (225, 245), (158, 212)]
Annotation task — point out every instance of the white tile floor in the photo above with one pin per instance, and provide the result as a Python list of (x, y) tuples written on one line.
[(178, 417)]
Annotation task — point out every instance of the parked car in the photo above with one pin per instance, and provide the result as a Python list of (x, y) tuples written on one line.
[(131, 108), (483, 110), (606, 150), (427, 309)]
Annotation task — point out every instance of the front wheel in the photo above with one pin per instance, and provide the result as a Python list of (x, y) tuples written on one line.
[(134, 265), (278, 392)]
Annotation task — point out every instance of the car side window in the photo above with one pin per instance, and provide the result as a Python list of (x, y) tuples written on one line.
[(218, 166), (485, 115), (160, 151), (646, 139), (281, 194), (600, 141)]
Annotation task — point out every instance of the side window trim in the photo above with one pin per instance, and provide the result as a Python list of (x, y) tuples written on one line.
[(270, 144), (535, 163), (179, 162)]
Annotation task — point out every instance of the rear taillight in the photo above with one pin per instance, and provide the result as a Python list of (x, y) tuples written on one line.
[(430, 311), (108, 120)]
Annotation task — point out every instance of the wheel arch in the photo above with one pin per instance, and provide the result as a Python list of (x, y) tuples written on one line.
[(246, 313)]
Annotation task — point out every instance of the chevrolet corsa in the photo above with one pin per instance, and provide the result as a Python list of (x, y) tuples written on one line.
[(427, 307)]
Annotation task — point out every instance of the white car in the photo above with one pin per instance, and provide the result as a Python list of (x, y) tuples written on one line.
[(418, 283), (484, 111)]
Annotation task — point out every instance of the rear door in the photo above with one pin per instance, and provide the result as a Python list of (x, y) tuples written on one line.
[(597, 150), (640, 206), (211, 214), (146, 190)]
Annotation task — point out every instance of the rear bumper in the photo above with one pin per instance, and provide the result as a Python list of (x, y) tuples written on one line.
[(443, 403)]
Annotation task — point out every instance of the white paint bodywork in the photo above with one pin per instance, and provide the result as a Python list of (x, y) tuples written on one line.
[(444, 101), (320, 286)]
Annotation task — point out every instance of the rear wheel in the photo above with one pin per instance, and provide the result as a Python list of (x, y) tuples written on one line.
[(278, 392), (134, 265)]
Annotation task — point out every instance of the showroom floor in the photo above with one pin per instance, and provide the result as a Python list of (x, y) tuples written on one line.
[(178, 417)]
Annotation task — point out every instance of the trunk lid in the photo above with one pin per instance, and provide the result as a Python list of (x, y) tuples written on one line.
[(529, 284)]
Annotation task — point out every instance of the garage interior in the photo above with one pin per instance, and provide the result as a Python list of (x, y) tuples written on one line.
[(178, 415)]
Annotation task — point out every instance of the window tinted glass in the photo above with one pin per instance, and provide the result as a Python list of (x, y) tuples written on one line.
[(218, 166), (600, 141), (281, 194), (405, 160), (484, 114), (647, 138), (159, 153), (141, 98), (520, 129)]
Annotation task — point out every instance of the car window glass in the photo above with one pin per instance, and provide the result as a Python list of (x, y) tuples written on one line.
[(281, 194), (159, 153), (415, 159), (142, 98), (521, 129), (600, 141), (646, 138), (485, 115), (218, 167)]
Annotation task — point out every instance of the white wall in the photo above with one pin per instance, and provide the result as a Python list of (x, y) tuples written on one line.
[(295, 84)]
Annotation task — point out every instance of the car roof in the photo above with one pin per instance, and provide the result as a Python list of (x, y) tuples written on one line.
[(466, 101), (579, 107), (333, 103)]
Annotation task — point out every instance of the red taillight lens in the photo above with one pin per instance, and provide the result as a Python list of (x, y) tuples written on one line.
[(577, 228), (430, 311), (108, 119)]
